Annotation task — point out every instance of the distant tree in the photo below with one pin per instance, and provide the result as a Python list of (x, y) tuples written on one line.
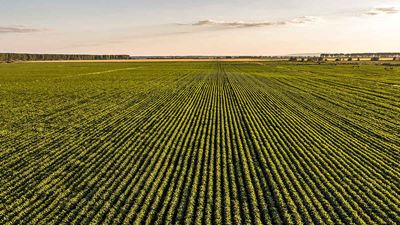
[(9, 57), (375, 58)]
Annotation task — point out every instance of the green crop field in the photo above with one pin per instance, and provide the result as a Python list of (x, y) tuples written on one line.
[(199, 143)]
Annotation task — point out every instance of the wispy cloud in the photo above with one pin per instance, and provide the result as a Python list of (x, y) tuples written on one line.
[(19, 29), (382, 10), (244, 24)]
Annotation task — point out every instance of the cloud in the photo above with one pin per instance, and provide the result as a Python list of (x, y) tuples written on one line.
[(19, 29), (243, 24), (382, 11)]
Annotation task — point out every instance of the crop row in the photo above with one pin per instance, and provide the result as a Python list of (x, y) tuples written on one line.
[(202, 143)]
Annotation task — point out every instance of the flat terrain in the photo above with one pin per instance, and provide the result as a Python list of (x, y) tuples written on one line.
[(162, 60), (199, 142)]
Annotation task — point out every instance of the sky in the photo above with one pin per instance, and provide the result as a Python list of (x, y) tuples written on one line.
[(206, 27)]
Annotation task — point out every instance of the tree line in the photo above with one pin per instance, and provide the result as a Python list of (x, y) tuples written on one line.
[(10, 57), (361, 55)]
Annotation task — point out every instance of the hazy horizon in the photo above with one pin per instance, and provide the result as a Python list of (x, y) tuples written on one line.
[(155, 28)]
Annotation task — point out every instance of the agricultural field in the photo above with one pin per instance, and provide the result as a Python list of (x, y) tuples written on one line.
[(199, 143)]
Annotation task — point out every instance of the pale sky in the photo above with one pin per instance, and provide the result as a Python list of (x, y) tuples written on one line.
[(206, 27)]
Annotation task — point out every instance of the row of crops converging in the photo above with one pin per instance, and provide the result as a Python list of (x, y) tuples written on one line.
[(201, 143)]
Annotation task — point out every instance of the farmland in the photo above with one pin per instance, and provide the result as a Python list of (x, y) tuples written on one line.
[(199, 143)]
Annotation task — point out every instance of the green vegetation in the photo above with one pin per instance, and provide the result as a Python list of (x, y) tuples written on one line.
[(199, 142), (10, 57)]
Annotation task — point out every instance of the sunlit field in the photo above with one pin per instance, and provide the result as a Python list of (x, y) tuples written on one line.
[(199, 143)]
